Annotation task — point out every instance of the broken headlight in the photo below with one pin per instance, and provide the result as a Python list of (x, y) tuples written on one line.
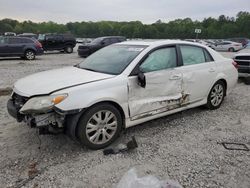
[(42, 104)]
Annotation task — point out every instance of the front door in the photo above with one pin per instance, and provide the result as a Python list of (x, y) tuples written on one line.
[(3, 46), (163, 90)]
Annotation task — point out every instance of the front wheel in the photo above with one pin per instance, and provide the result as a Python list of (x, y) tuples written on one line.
[(68, 49), (99, 126), (30, 55), (216, 95), (231, 50)]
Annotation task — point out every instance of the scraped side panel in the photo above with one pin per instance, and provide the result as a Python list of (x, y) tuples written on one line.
[(160, 94)]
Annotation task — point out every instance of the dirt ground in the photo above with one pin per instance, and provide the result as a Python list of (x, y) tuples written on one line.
[(183, 147)]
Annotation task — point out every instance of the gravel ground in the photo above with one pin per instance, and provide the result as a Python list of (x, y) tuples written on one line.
[(182, 147)]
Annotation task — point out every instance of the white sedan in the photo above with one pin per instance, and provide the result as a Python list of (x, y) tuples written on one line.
[(120, 86), (228, 46)]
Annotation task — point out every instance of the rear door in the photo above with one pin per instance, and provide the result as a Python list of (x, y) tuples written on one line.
[(50, 42), (163, 90), (198, 70), (15, 46)]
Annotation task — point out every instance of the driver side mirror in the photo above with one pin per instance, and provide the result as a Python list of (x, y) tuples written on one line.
[(141, 79)]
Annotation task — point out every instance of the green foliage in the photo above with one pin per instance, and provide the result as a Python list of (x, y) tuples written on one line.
[(222, 27)]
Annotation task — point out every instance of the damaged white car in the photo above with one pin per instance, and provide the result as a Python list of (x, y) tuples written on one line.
[(120, 86)]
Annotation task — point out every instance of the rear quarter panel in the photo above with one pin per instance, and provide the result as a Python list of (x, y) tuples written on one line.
[(225, 70)]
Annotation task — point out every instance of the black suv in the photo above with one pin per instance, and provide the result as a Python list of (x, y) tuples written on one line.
[(61, 42), (20, 46), (98, 43)]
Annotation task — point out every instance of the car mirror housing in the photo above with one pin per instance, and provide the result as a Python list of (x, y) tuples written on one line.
[(141, 79)]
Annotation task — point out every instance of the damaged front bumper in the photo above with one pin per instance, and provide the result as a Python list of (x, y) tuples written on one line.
[(51, 121)]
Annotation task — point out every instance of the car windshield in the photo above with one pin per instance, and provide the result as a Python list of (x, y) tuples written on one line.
[(96, 41), (112, 59), (41, 37)]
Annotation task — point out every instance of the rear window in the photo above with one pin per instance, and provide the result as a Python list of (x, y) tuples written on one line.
[(192, 55)]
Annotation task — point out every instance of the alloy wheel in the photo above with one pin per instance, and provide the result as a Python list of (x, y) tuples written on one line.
[(101, 127), (217, 95)]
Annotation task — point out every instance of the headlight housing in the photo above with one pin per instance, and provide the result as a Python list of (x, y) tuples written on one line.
[(42, 104)]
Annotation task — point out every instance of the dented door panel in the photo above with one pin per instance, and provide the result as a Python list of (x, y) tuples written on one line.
[(198, 80), (163, 92)]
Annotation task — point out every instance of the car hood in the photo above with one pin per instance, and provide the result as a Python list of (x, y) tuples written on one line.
[(53, 80), (243, 52)]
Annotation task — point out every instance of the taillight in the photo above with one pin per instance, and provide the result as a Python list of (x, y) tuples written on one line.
[(38, 44), (235, 65)]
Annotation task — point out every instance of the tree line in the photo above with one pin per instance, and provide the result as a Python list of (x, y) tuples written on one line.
[(213, 28)]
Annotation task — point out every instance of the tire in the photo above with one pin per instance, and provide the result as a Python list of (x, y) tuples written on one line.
[(29, 55), (68, 49), (247, 80), (216, 95), (231, 50), (93, 130)]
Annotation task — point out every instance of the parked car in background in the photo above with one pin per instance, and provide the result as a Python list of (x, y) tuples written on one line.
[(9, 34), (98, 43), (242, 58), (243, 41), (120, 86), (61, 42), (26, 48), (29, 35), (228, 46)]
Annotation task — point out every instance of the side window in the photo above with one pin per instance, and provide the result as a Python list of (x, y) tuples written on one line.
[(3, 40), (114, 40), (49, 37), (192, 55), (59, 38), (208, 57), (160, 59), (106, 41), (15, 40)]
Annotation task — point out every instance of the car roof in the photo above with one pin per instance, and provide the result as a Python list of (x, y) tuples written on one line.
[(111, 37), (159, 42)]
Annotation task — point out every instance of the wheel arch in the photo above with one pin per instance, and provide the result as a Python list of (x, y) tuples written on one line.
[(73, 119), (116, 105), (28, 48)]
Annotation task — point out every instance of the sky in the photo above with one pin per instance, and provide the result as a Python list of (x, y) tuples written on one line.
[(146, 11)]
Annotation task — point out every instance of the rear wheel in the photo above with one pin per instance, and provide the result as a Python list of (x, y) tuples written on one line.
[(216, 95), (99, 126), (30, 55), (231, 50), (68, 49)]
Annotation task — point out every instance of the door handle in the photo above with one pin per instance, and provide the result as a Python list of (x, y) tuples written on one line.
[(175, 77), (211, 70)]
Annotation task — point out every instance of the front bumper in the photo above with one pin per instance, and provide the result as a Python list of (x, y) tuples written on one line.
[(13, 111), (51, 118)]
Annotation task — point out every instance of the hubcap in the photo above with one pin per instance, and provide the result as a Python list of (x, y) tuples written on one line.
[(30, 55), (101, 127), (69, 49), (217, 95)]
